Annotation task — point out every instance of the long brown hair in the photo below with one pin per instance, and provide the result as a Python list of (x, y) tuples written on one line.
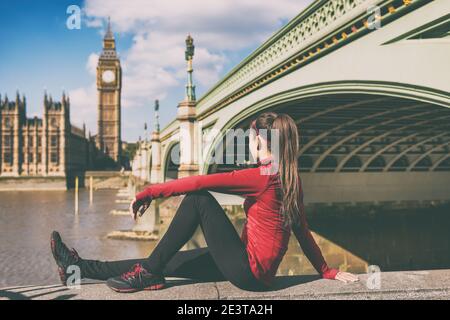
[(287, 160)]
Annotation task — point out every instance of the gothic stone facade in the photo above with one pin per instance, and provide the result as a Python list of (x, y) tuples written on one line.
[(45, 147)]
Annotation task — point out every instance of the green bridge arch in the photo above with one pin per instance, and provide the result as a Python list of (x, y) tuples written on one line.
[(386, 89)]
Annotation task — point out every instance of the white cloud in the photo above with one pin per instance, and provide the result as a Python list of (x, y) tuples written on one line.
[(83, 102), (91, 64), (221, 24), (154, 66)]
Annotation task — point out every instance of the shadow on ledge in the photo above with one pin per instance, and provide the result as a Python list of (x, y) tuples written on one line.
[(185, 288), (414, 284), (284, 282), (279, 283)]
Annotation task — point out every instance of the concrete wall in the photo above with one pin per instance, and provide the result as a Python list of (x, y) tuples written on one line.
[(375, 186), (33, 183), (106, 179)]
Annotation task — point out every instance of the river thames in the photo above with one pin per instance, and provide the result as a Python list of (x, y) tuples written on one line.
[(351, 240)]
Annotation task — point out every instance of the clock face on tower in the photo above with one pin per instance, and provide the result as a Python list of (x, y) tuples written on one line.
[(108, 76)]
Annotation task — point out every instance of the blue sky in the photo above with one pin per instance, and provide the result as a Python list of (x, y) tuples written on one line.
[(38, 51)]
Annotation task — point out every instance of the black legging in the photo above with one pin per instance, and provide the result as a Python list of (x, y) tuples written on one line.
[(224, 258)]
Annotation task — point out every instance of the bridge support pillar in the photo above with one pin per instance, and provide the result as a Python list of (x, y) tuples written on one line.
[(155, 170), (145, 162), (139, 163), (188, 139)]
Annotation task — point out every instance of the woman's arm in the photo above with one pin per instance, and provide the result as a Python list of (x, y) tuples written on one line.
[(248, 182)]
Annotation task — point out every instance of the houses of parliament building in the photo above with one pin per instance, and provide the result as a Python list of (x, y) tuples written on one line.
[(47, 146), (51, 146)]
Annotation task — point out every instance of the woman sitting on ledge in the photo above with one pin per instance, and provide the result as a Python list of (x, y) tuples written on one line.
[(273, 206)]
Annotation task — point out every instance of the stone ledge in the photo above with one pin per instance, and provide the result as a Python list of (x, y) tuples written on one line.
[(433, 284)]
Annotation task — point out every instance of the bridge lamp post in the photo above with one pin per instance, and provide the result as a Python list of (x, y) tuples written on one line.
[(186, 116), (189, 55), (155, 170)]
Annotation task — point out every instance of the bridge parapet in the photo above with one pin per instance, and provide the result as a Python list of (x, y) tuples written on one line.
[(280, 75), (313, 23), (321, 27)]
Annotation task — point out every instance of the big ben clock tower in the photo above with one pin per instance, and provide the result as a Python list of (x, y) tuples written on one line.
[(109, 85)]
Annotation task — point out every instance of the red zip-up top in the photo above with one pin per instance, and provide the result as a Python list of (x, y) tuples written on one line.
[(264, 235)]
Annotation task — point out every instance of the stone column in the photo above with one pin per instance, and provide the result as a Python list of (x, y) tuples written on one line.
[(36, 148), (145, 159), (155, 171), (62, 144), (188, 139), (44, 139), (16, 142), (118, 134), (26, 153), (149, 222), (188, 163), (138, 162)]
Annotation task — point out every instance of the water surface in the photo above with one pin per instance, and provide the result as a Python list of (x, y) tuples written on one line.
[(408, 239)]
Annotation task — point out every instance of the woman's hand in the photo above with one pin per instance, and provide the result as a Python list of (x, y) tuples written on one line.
[(346, 277), (139, 205)]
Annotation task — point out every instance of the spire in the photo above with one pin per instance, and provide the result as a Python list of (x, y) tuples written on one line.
[(109, 34), (157, 115), (145, 132), (109, 44), (45, 99)]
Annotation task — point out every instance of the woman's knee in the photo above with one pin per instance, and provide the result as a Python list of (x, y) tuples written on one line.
[(199, 195), (203, 202)]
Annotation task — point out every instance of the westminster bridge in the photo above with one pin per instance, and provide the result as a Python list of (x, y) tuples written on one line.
[(368, 84)]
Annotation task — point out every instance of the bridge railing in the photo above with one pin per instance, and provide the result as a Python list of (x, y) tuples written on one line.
[(317, 20)]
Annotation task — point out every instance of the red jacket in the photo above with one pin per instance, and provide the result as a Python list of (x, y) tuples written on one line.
[(265, 237)]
